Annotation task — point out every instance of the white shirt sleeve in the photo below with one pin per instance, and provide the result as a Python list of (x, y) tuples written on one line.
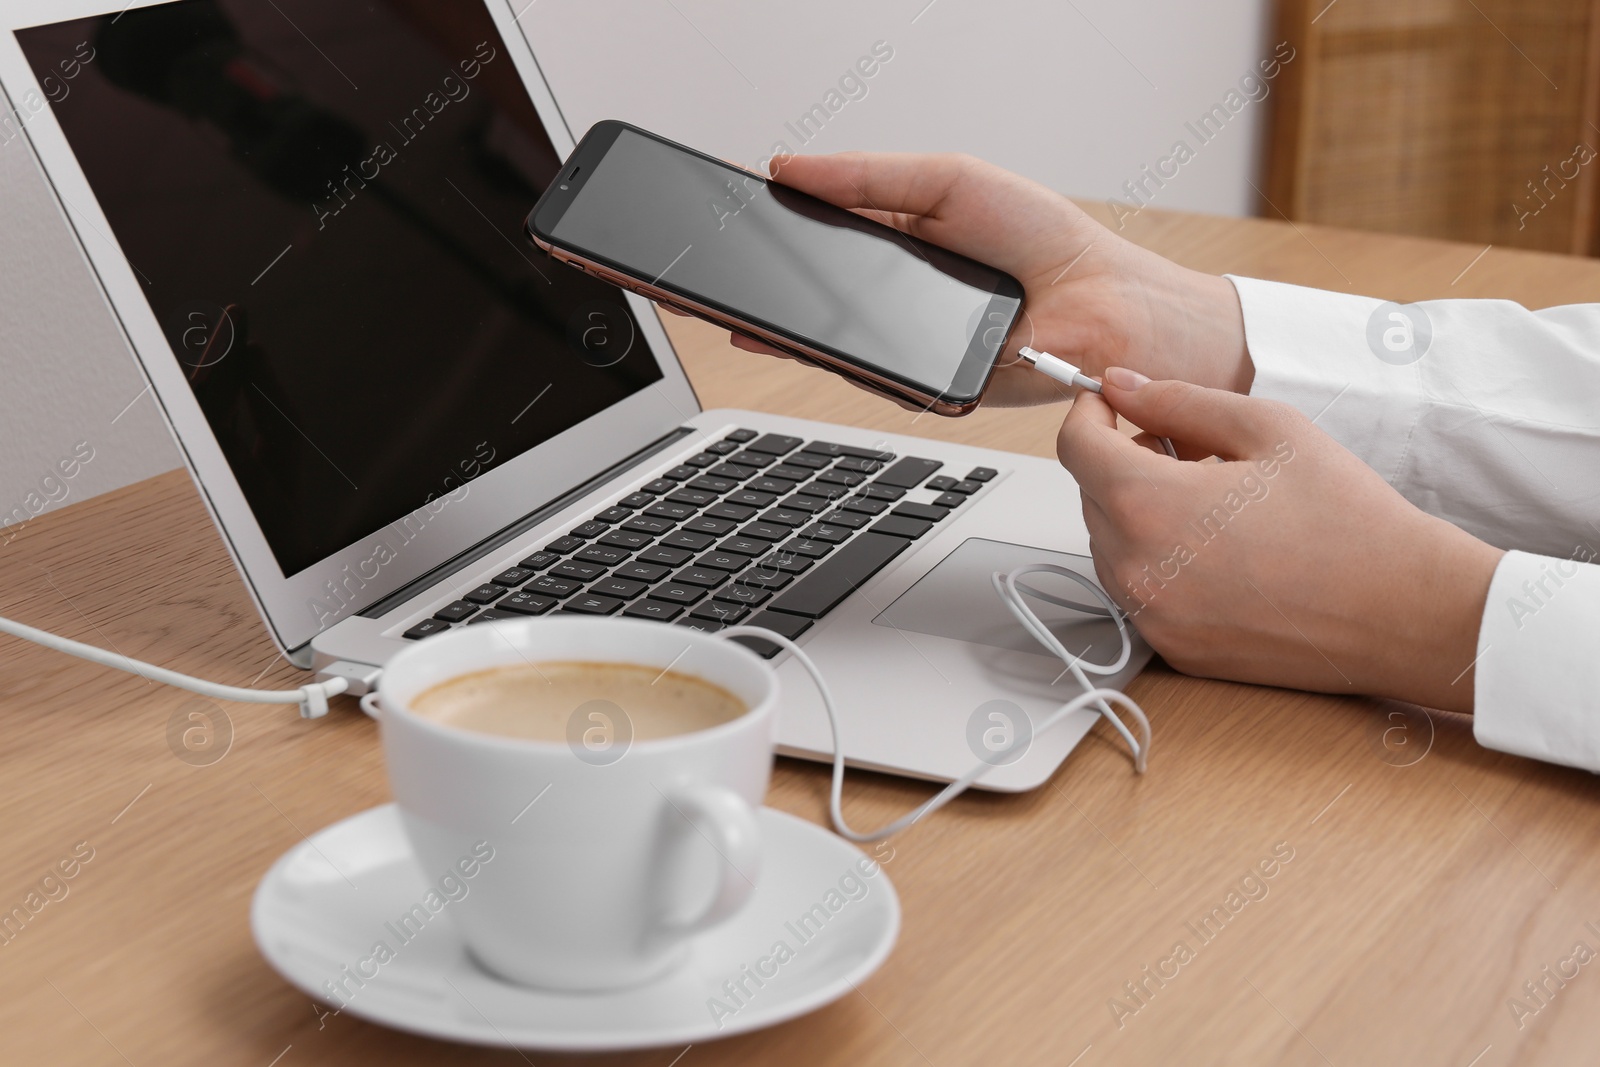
[(1490, 419)]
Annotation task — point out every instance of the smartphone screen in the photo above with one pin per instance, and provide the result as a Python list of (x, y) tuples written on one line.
[(765, 254)]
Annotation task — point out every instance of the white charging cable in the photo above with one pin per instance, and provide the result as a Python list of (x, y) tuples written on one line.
[(1100, 699), (312, 698), (1068, 374)]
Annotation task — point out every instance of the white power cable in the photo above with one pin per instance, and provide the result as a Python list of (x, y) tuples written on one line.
[(1006, 585), (312, 698), (1068, 374)]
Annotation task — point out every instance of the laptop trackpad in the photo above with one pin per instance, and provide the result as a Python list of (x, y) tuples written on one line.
[(957, 600)]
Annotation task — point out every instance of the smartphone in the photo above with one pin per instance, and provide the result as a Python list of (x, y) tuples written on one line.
[(898, 315)]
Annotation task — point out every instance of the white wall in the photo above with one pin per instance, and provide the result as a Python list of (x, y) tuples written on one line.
[(1079, 95)]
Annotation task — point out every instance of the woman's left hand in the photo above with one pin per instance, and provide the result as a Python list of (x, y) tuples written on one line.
[(1289, 563)]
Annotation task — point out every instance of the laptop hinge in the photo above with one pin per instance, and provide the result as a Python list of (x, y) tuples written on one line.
[(520, 527)]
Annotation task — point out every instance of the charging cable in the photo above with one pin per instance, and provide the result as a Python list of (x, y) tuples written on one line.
[(1067, 374), (1005, 584), (313, 698)]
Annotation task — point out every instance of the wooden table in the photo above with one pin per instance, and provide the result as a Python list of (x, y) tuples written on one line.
[(1427, 883)]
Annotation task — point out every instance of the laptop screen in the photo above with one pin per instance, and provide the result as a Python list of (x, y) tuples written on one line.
[(323, 201)]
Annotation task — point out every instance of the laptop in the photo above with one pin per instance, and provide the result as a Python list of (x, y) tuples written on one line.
[(306, 217)]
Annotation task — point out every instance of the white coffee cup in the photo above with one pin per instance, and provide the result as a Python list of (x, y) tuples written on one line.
[(606, 860)]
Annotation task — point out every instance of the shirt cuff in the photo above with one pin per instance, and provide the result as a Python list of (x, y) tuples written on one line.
[(1537, 687), (1311, 351)]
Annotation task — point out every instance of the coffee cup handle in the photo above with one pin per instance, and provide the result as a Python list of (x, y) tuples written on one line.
[(725, 819)]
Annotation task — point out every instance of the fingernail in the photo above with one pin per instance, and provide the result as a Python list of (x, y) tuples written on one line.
[(1123, 378)]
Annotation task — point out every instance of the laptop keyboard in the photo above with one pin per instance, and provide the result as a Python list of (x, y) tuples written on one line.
[(759, 529)]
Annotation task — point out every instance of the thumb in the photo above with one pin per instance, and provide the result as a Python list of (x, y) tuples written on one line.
[(1213, 421)]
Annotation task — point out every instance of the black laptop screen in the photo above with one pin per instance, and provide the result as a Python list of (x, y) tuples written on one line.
[(323, 201)]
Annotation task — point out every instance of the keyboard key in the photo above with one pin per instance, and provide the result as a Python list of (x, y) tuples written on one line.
[(512, 577), (562, 545), (842, 477), (802, 547), (786, 563), (613, 514), (793, 474), (850, 520), (635, 500), (908, 473), (425, 628), (648, 608), (731, 561), (826, 490), (659, 486), (621, 588), (745, 498), (647, 525), (591, 604), (486, 594), (668, 510), (576, 568), (734, 471), (775, 444), (491, 616), (641, 572), (712, 485), (604, 555), (539, 560), (785, 517), (741, 436), (779, 486), (864, 466), (455, 611), (752, 459), (705, 577), (766, 531), (588, 529), (672, 557), (790, 626), (828, 448), (708, 524), (950, 500), (840, 574), (920, 511), (865, 506), (900, 526), (981, 474), (829, 533), (681, 473), (674, 593), (942, 484), (966, 488), (736, 512), (526, 603), (704, 459), (720, 611), (628, 540), (883, 492), (742, 594), (722, 448), (695, 498), (745, 546), (807, 460), (688, 539), (551, 586), (763, 579), (808, 504), (705, 626)]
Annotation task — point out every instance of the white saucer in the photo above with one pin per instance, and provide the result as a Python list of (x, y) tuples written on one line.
[(326, 903)]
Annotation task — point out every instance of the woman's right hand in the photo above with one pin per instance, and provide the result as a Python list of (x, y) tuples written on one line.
[(1092, 297)]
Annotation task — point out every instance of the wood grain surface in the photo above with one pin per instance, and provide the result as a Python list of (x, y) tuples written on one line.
[(1426, 879)]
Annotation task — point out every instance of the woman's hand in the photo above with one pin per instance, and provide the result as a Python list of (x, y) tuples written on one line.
[(1290, 563), (1092, 297)]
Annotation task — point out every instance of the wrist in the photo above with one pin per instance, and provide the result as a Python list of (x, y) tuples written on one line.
[(1195, 326)]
